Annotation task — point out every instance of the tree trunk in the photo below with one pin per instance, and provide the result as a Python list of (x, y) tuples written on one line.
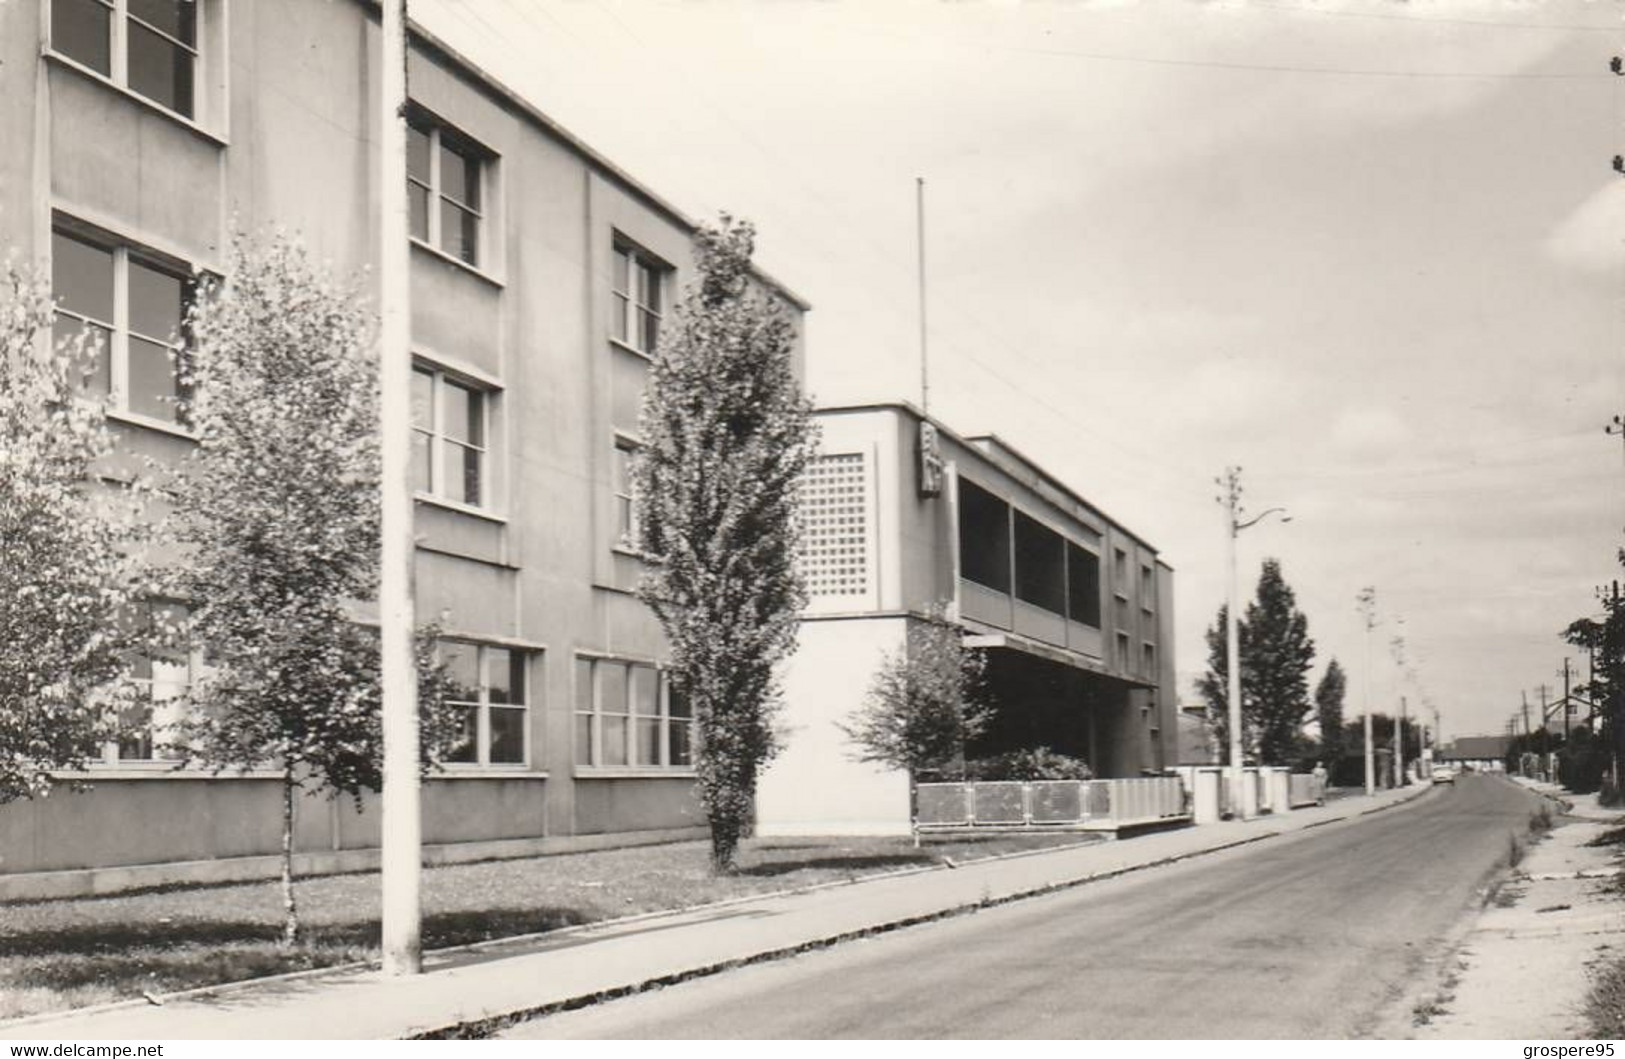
[(725, 830), (290, 911)]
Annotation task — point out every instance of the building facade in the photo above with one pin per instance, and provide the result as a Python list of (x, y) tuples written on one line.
[(141, 134), (1074, 610)]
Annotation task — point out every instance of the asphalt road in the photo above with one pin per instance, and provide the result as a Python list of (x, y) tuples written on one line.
[(1315, 935)]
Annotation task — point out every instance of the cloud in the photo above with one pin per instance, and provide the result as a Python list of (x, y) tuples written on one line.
[(1592, 237), (1370, 430)]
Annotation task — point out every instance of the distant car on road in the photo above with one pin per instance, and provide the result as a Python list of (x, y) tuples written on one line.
[(1444, 774)]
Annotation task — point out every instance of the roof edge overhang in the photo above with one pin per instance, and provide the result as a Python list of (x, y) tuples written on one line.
[(1010, 641)]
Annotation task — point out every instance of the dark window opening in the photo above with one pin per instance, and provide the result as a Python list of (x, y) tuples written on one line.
[(1082, 586), (1040, 565), (984, 537)]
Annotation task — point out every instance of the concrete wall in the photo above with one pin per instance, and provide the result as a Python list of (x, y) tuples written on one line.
[(156, 819), (814, 786)]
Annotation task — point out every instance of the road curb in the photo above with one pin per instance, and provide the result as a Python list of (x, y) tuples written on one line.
[(225, 989), (485, 1026), (459, 1027)]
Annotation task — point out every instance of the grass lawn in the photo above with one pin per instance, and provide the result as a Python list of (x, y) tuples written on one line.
[(71, 953)]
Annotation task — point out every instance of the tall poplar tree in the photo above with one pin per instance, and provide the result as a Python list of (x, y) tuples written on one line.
[(1276, 655), (1275, 667), (727, 436), (1329, 712)]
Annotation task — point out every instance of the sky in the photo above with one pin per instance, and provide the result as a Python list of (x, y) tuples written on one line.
[(1371, 253)]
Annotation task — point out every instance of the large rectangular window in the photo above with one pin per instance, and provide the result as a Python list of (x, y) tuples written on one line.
[(488, 685), (147, 46), (637, 299), (445, 173), (984, 537), (1082, 586), (628, 716), (1040, 565), (162, 674), (130, 306), (448, 437)]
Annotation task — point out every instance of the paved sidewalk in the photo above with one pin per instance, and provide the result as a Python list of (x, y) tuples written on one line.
[(466, 987), (1523, 970)]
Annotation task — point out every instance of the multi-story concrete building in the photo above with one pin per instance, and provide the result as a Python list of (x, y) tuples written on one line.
[(1074, 610), (140, 134)]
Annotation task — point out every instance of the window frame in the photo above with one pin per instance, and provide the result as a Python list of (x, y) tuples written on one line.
[(626, 308), (113, 754), (119, 18), (593, 716), (120, 331), (626, 522), (443, 136), (483, 705), (440, 378)]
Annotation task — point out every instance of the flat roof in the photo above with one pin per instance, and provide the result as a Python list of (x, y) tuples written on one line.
[(981, 443), (503, 93)]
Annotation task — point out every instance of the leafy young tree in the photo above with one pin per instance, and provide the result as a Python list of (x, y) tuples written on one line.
[(1276, 655), (926, 702), (727, 436), (69, 571), (1329, 711), (278, 515)]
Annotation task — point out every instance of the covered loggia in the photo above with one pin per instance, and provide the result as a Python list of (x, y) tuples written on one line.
[(1049, 702)]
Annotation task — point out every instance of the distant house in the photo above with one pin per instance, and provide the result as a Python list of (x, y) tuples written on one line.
[(1480, 751), (1197, 745)]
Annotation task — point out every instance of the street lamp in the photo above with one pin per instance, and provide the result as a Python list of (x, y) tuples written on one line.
[(1366, 603), (1232, 501)]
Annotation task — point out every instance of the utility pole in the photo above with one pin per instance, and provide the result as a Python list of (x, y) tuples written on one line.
[(1366, 602), (1568, 704), (1399, 746), (401, 852), (1231, 499), (1610, 668), (1232, 639)]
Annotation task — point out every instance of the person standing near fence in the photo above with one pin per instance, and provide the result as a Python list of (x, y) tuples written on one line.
[(1318, 782)]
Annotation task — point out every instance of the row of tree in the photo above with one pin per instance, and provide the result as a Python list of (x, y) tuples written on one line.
[(1276, 655), (268, 534)]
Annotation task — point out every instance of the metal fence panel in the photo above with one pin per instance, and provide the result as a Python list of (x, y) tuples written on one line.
[(942, 803), (1057, 802), (1116, 803), (998, 803)]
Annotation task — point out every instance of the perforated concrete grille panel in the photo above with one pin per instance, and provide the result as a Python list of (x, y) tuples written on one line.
[(835, 525)]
